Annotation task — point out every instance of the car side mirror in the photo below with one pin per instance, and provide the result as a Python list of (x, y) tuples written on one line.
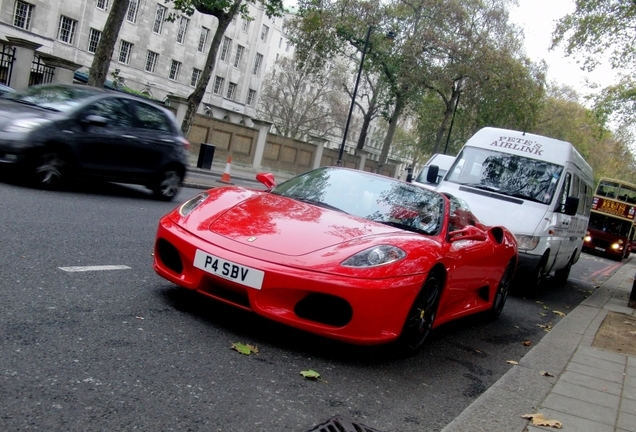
[(571, 205), (267, 179), (95, 120), (467, 233), (431, 174)]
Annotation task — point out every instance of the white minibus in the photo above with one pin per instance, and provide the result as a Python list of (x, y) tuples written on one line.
[(539, 188), (443, 162)]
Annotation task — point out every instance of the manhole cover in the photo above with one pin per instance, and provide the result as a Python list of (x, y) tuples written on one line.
[(341, 424)]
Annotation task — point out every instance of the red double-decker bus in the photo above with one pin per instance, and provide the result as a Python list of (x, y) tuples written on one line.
[(611, 228)]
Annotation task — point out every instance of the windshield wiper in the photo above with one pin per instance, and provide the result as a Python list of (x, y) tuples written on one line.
[(403, 226), (526, 197), (482, 187), (317, 203)]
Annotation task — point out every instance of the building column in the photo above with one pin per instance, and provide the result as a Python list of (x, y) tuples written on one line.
[(22, 62), (263, 130), (181, 105), (64, 69), (320, 147)]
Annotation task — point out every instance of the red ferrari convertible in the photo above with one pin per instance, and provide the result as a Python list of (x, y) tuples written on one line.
[(346, 254)]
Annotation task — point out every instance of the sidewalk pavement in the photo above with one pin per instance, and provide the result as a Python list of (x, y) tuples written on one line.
[(589, 389), (209, 178), (592, 390)]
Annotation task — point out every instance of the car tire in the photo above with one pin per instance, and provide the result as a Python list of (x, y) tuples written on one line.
[(50, 169), (167, 185), (501, 295), (421, 316), (532, 285), (561, 276)]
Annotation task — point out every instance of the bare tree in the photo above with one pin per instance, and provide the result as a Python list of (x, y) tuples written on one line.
[(299, 102)]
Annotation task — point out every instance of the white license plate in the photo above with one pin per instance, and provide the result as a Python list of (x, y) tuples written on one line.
[(243, 275), (600, 249)]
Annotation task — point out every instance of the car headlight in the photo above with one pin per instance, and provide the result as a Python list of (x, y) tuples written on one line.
[(375, 256), (618, 245), (25, 125), (194, 202), (587, 238), (526, 242)]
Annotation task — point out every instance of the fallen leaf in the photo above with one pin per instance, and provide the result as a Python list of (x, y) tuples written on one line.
[(545, 307), (526, 343), (244, 349), (548, 374), (633, 332), (629, 322), (539, 420), (512, 362), (310, 374), (139, 317), (540, 302), (559, 313), (542, 314)]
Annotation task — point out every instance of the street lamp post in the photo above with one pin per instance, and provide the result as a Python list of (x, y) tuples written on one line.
[(353, 98)]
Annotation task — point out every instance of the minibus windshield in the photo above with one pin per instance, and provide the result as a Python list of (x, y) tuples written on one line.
[(506, 174)]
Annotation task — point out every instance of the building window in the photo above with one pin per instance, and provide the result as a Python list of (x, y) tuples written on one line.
[(246, 25), (203, 38), (196, 74), (280, 42), (218, 85), (225, 50), (93, 39), (239, 54), (287, 46), (257, 64), (231, 89), (251, 97), (264, 33), (22, 15), (125, 49), (66, 30), (183, 28), (151, 61), (102, 4), (159, 17), (133, 7), (175, 67)]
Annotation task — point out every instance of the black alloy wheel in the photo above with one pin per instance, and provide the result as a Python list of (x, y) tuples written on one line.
[(168, 184), (50, 170), (501, 295), (421, 317)]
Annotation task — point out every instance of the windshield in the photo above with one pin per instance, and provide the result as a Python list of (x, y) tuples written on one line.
[(611, 225), (377, 198), (54, 97), (506, 174)]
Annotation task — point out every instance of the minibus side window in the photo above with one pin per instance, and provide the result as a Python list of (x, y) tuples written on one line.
[(565, 190)]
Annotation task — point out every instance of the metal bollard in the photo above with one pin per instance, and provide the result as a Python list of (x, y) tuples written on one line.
[(632, 295)]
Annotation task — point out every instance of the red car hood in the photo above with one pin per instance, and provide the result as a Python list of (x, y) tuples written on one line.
[(291, 227)]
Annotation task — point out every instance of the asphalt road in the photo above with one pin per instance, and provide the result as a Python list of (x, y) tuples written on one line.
[(126, 350)]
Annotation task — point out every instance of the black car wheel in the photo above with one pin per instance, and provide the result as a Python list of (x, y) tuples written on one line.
[(421, 317), (501, 295), (167, 185), (561, 276), (50, 169)]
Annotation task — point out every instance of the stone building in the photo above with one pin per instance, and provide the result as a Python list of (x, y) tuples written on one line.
[(46, 41)]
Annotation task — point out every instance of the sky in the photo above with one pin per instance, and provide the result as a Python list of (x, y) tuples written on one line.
[(538, 19)]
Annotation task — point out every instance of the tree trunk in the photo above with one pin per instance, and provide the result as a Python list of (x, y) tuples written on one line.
[(448, 113), (194, 100), (388, 139), (366, 121), (106, 44)]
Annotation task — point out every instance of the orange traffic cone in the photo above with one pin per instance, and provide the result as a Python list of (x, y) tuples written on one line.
[(225, 178)]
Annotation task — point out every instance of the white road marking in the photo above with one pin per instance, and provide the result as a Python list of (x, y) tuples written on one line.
[(94, 268)]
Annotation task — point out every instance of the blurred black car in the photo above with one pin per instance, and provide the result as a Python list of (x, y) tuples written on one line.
[(53, 133), (6, 89)]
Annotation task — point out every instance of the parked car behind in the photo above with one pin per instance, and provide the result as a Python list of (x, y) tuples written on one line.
[(53, 133), (4, 89)]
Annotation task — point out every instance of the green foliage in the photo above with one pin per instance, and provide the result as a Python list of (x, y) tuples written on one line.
[(219, 8), (597, 28)]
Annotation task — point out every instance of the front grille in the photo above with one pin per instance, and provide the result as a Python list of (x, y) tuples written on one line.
[(341, 424)]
